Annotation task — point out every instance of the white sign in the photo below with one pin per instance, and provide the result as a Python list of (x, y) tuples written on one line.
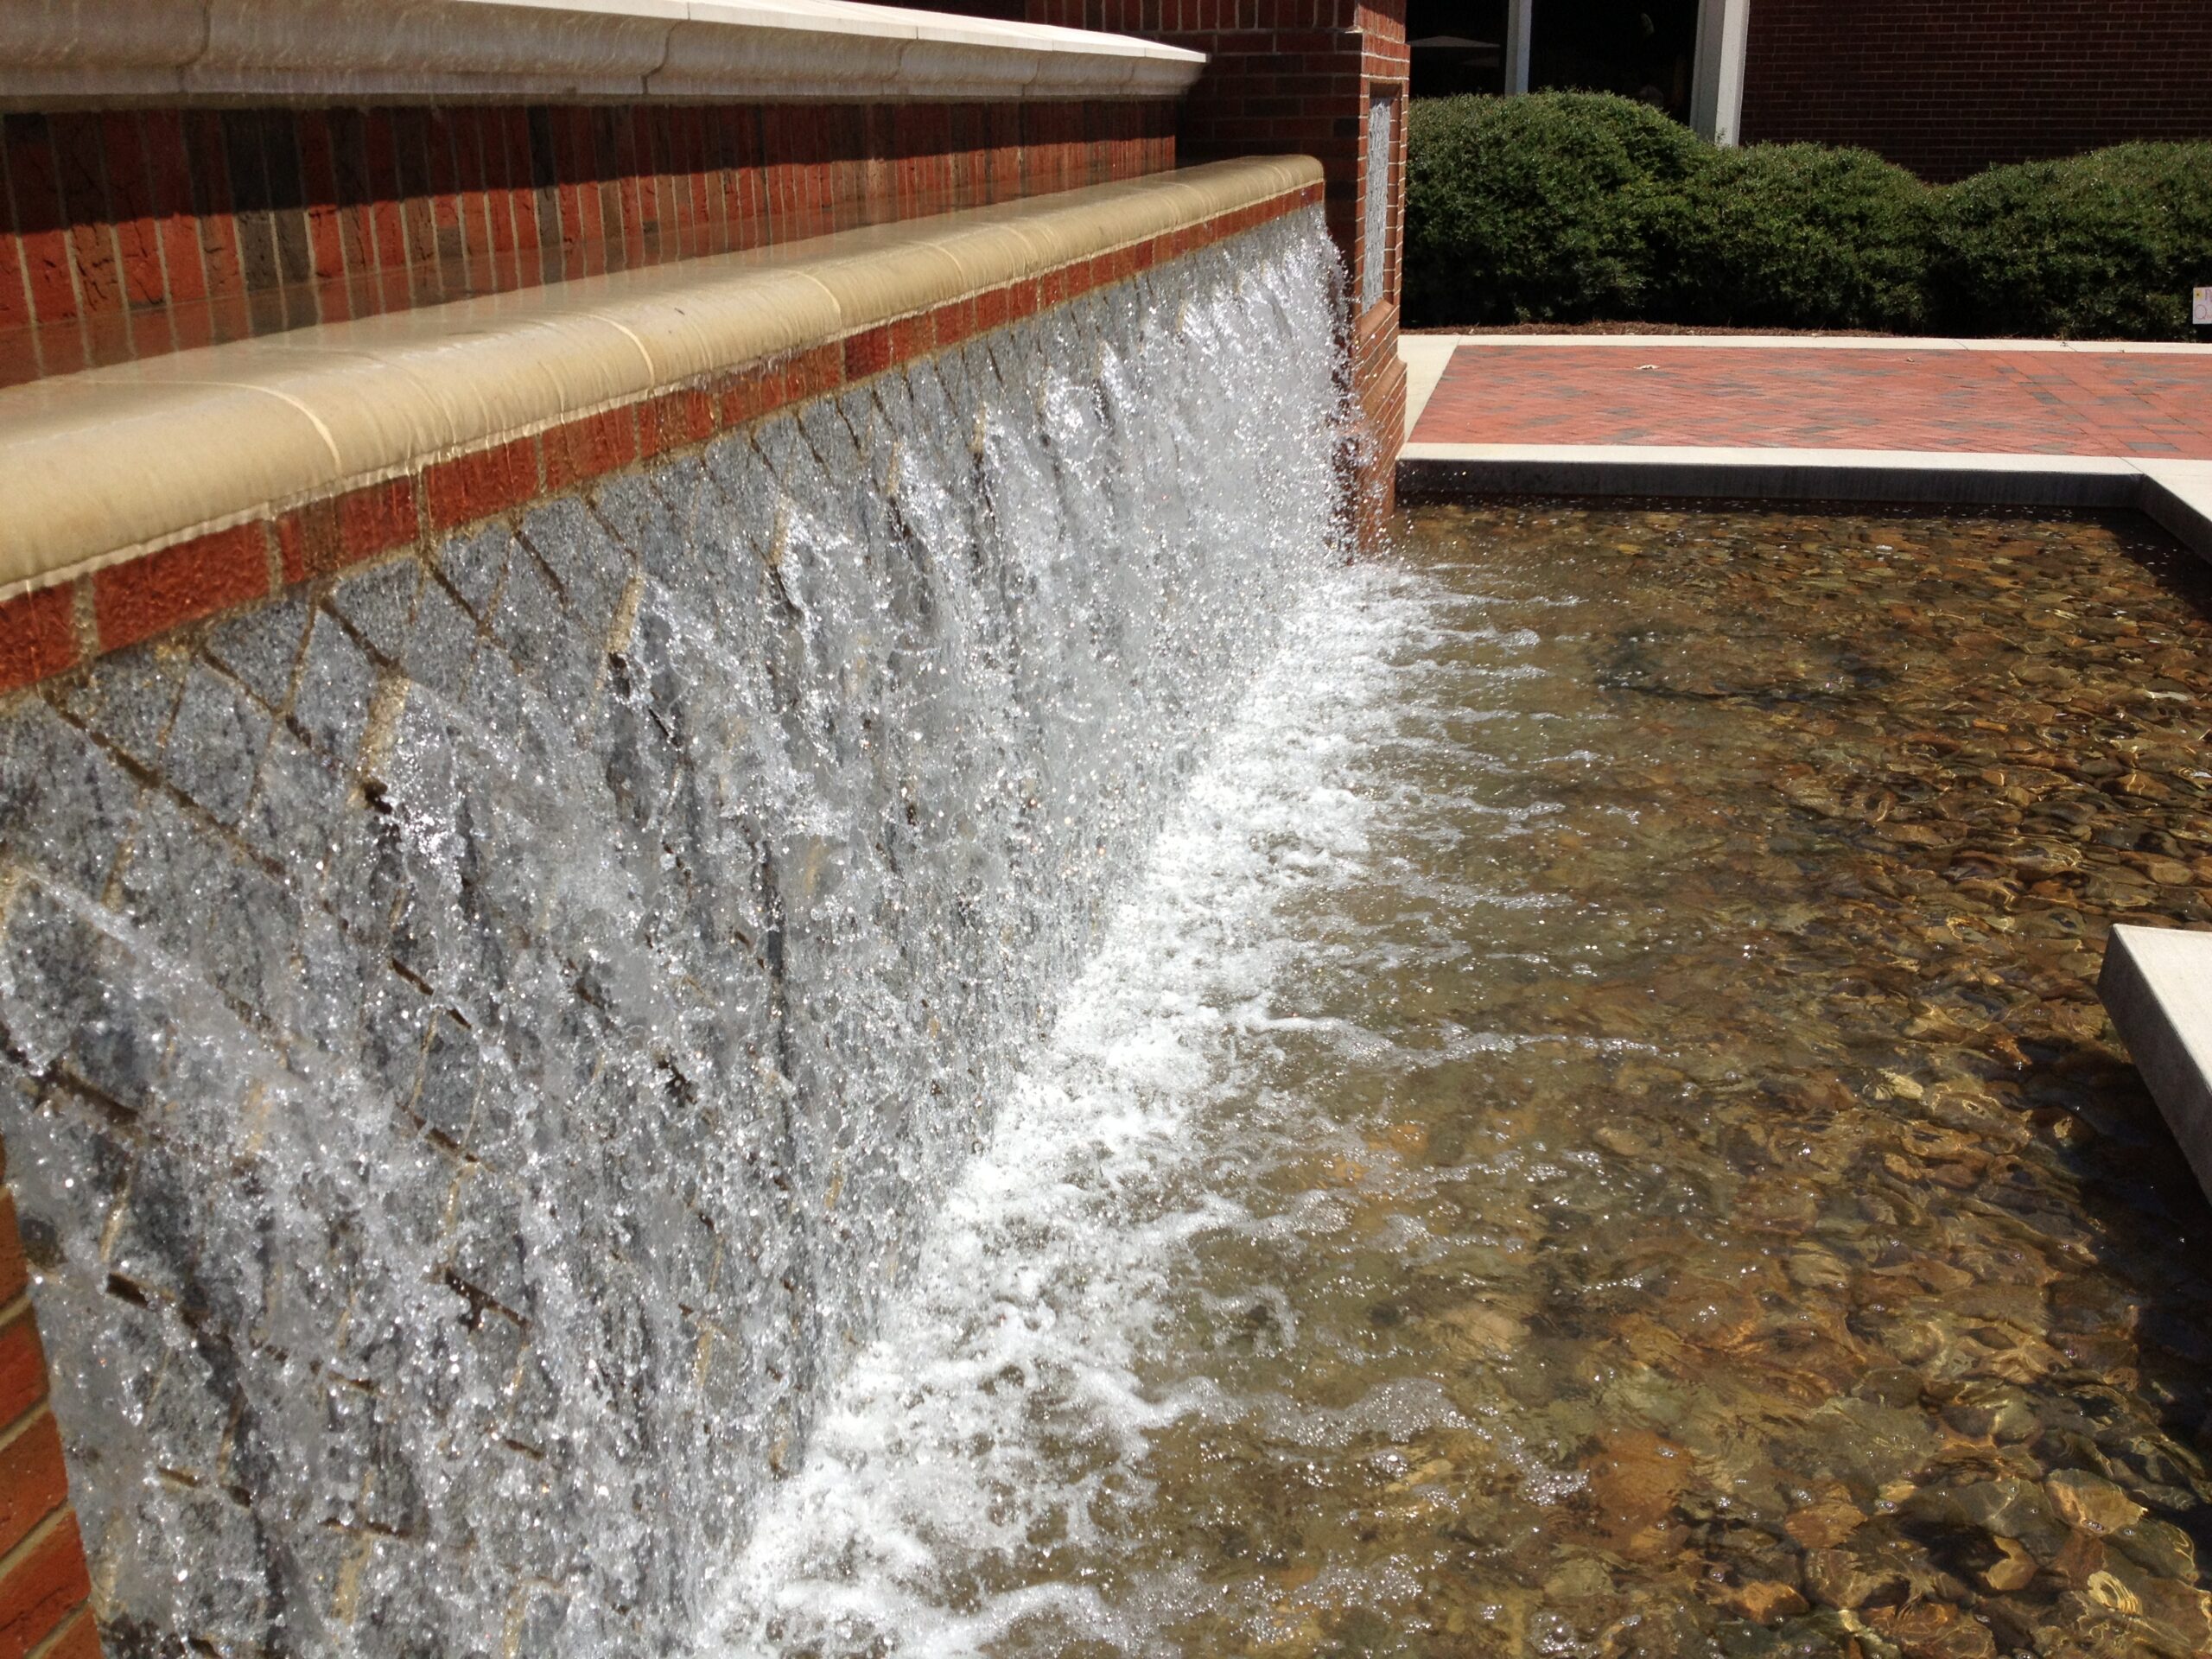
[(2201, 313)]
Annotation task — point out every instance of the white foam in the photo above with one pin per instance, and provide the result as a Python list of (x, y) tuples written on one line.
[(1006, 1397)]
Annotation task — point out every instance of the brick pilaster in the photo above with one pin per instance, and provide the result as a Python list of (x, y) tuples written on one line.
[(1293, 76), (44, 1585)]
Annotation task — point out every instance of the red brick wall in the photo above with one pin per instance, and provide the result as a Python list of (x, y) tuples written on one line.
[(133, 233), (130, 233), (43, 1586), (1378, 378), (1378, 381), (1946, 90)]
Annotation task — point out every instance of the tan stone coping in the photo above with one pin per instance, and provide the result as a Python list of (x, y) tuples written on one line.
[(88, 53), (103, 467)]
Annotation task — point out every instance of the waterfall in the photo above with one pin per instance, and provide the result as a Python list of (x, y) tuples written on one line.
[(479, 1043), (973, 1471)]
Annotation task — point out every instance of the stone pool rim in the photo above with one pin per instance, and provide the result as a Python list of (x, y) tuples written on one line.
[(2157, 986), (152, 494), (224, 51), (2175, 494)]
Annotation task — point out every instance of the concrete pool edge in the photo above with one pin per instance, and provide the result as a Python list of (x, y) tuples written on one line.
[(2157, 986), (2177, 495)]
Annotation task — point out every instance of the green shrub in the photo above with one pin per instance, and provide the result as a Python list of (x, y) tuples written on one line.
[(1796, 235), (1535, 209), (2099, 246), (1577, 207)]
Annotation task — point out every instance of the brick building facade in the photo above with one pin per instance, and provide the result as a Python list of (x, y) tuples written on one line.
[(1945, 90), (1949, 90)]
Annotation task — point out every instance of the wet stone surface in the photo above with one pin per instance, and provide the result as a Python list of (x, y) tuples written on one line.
[(1676, 1192)]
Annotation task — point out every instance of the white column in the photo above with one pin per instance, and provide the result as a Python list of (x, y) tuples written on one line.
[(1717, 92), (1519, 15)]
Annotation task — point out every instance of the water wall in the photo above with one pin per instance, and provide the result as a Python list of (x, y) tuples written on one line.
[(360, 366), (481, 1028)]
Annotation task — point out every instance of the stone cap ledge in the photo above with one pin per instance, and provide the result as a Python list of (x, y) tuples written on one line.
[(108, 465), (64, 53), (2157, 986)]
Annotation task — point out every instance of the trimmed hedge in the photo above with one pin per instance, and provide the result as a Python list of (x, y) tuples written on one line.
[(1798, 236), (2104, 245), (1580, 206), (1537, 209)]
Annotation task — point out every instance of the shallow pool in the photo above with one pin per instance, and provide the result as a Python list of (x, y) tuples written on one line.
[(1597, 1137)]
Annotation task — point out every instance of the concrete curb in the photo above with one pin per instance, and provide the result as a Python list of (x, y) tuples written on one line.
[(1913, 343), (2156, 985), (2177, 495)]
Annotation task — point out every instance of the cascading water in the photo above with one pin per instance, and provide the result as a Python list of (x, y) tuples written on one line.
[(475, 1049), (974, 1466), (1569, 1149)]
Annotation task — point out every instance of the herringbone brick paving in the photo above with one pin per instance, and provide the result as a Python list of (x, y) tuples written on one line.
[(2144, 404)]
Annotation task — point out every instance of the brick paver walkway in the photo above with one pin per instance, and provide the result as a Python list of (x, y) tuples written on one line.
[(2069, 403)]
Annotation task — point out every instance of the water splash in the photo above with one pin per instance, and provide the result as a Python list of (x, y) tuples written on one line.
[(1001, 1418)]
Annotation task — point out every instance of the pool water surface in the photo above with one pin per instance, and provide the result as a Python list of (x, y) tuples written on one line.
[(1597, 1139)]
